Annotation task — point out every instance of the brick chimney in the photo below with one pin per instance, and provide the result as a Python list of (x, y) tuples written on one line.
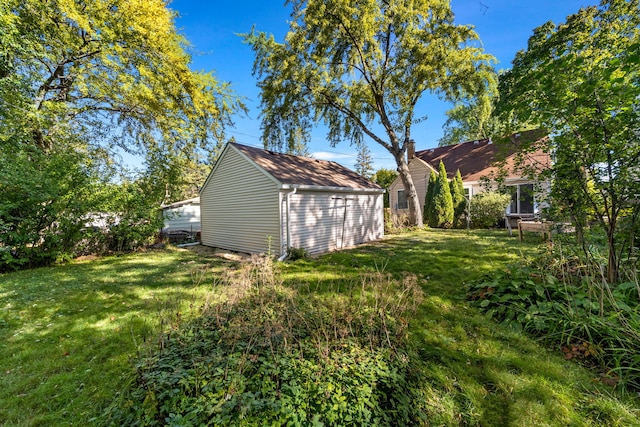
[(411, 150)]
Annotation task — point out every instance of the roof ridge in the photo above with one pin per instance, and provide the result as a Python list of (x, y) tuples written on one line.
[(297, 156)]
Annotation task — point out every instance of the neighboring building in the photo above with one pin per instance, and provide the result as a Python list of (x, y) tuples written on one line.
[(182, 217), (259, 201), (480, 164)]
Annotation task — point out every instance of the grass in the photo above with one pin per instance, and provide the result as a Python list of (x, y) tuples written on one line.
[(68, 334)]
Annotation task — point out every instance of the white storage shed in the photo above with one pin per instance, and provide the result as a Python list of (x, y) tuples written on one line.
[(260, 201), (182, 216)]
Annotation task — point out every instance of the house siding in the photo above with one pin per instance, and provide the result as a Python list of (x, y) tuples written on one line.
[(322, 221), (240, 207), (420, 173)]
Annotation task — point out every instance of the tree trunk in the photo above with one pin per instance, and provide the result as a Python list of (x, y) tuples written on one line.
[(415, 210), (612, 267)]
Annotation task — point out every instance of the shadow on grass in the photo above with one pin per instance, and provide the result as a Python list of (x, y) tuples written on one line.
[(67, 333), (476, 372)]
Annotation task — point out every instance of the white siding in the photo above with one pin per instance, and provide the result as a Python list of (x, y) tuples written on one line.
[(323, 221), (183, 218), (240, 207)]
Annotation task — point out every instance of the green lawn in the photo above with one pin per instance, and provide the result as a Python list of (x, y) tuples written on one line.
[(68, 334)]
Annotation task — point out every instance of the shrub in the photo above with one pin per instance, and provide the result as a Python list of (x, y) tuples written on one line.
[(459, 201), (562, 301), (442, 201), (297, 253), (488, 208), (427, 213)]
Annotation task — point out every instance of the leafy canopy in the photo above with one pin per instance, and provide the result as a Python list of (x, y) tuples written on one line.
[(581, 81), (115, 72), (360, 67), (80, 82)]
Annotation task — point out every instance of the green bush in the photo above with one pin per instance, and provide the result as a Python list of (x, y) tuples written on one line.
[(272, 356), (561, 301), (427, 212), (459, 201), (488, 208), (442, 201)]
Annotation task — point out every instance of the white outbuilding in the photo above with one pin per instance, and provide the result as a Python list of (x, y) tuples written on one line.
[(260, 201), (182, 216)]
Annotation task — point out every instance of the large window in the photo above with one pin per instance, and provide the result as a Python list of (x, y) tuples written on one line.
[(402, 200), (521, 199)]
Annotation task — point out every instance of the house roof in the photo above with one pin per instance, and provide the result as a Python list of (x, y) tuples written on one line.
[(480, 158), (297, 170)]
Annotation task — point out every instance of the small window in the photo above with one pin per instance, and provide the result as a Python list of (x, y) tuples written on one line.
[(402, 200)]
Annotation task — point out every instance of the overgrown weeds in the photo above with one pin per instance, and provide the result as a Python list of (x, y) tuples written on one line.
[(274, 354)]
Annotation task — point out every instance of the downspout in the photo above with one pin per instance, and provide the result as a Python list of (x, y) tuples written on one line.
[(286, 247)]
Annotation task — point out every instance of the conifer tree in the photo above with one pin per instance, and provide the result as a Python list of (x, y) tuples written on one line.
[(442, 201), (427, 212), (459, 201)]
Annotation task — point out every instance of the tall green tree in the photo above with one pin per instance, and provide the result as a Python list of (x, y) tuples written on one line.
[(428, 210), (581, 81), (80, 83), (442, 201), (471, 118), (360, 68), (113, 73), (458, 199), (384, 178)]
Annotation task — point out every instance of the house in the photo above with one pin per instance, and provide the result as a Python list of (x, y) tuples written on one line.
[(182, 217), (260, 201), (481, 163)]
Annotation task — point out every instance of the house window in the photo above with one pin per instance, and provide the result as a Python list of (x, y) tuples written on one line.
[(467, 193), (521, 199), (402, 200)]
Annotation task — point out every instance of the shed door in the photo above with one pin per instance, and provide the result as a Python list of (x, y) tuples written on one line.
[(343, 220)]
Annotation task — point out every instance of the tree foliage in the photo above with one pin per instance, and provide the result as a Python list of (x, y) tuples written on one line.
[(442, 201), (384, 178), (581, 81), (459, 201), (114, 71), (360, 68), (80, 84), (364, 161)]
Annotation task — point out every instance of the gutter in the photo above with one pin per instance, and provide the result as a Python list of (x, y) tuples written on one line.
[(332, 189), (285, 255)]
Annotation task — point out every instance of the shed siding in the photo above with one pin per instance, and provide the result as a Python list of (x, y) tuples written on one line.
[(319, 221), (240, 207), (183, 218)]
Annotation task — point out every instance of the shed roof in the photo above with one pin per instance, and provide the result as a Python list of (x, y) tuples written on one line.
[(298, 170), (477, 159), (174, 205)]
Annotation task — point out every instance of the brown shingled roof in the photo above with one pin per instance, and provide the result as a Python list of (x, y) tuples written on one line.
[(477, 159), (297, 170)]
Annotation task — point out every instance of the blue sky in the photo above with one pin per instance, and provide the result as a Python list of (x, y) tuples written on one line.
[(212, 28)]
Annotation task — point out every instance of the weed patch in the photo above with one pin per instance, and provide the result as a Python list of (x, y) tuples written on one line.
[(270, 354)]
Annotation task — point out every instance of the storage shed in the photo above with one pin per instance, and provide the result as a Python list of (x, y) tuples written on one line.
[(182, 216), (260, 201)]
